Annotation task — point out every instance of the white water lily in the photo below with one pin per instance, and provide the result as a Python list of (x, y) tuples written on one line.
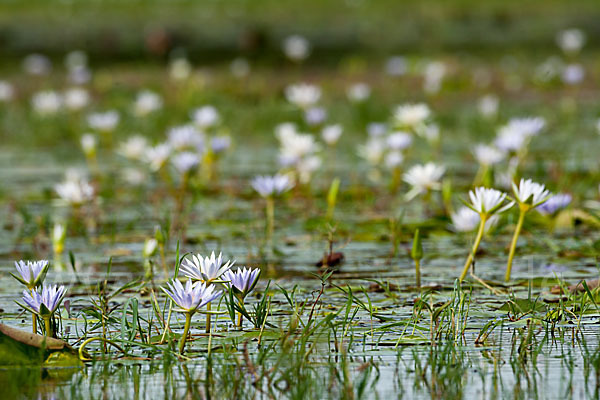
[(530, 193), (47, 102), (147, 102), (411, 115), (303, 95), (331, 134), (573, 74), (396, 66), (393, 159), (274, 185), (488, 106), (76, 98), (134, 147), (467, 220), (486, 201), (376, 129), (570, 40), (315, 116), (185, 162), (358, 92), (158, 155), (7, 91), (180, 69), (487, 155), (205, 269), (296, 47), (104, 121), (399, 140), (75, 190), (373, 151), (206, 117), (186, 137), (424, 178), (88, 144), (37, 64)]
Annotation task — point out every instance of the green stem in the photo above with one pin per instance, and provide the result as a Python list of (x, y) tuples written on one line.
[(475, 247), (418, 272), (270, 211), (513, 245), (208, 318), (186, 331), (34, 322), (240, 318), (48, 327)]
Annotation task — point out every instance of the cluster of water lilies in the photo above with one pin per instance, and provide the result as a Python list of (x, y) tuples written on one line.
[(207, 279), (40, 299)]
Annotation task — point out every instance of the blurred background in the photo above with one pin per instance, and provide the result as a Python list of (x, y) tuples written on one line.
[(214, 30)]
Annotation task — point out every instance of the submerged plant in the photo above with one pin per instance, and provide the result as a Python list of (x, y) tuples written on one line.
[(528, 195), (242, 283), (189, 299), (485, 202), (44, 303)]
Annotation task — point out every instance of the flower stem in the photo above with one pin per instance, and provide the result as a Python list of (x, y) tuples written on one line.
[(240, 318), (475, 247), (418, 272), (208, 318), (34, 322), (48, 327), (186, 331), (513, 245), (270, 212)]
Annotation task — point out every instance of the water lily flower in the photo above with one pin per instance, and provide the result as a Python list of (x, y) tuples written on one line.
[(411, 115), (31, 273), (147, 102), (189, 299), (554, 204), (206, 117), (396, 66), (393, 159), (157, 156), (219, 144), (205, 269), (104, 121), (275, 185), (487, 155), (528, 195), (467, 220), (75, 191), (303, 95), (376, 129), (242, 283), (424, 178), (331, 134), (373, 151), (315, 116), (192, 296), (6, 91), (570, 40), (296, 48), (134, 147), (180, 69), (488, 106), (358, 92), (485, 202), (59, 233), (76, 98), (47, 102), (433, 75), (399, 140), (573, 74), (44, 303), (88, 144), (185, 162), (186, 137), (37, 64)]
